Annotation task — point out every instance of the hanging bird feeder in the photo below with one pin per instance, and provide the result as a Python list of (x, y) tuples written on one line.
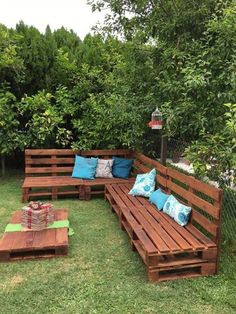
[(156, 122)]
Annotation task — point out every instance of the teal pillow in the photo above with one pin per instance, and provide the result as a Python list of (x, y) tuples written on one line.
[(144, 184), (158, 198), (176, 210), (121, 167), (84, 168)]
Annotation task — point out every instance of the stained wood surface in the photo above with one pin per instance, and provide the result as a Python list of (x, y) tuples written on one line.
[(56, 181), (152, 163), (168, 250), (108, 152), (205, 200), (54, 161), (34, 244), (51, 169), (49, 152), (104, 181), (164, 232)]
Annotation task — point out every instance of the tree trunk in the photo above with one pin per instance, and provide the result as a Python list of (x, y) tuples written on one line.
[(3, 165)]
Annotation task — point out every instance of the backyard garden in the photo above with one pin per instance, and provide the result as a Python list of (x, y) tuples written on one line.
[(61, 96)]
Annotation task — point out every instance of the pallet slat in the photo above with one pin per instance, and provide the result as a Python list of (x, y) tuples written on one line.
[(48, 161), (49, 152), (169, 229), (31, 170), (109, 152), (195, 184), (148, 161)]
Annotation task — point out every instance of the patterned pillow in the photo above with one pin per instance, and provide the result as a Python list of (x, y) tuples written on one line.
[(179, 212), (104, 168), (144, 184)]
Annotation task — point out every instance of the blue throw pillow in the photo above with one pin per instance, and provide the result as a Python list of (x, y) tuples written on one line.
[(84, 168), (158, 198), (121, 167), (144, 184), (176, 210)]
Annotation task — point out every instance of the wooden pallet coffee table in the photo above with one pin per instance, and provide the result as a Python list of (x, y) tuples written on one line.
[(22, 245)]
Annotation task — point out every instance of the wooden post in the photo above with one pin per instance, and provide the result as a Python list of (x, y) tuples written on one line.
[(219, 203), (163, 149), (3, 165)]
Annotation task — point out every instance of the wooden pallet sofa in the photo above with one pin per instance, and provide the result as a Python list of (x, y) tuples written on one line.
[(168, 250), (48, 173)]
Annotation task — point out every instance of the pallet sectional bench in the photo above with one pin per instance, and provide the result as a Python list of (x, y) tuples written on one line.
[(48, 173), (168, 250)]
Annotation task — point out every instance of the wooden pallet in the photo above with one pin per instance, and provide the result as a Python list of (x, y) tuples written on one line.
[(46, 243), (168, 250), (97, 186), (51, 186)]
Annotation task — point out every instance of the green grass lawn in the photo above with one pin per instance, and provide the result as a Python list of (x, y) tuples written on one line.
[(101, 273)]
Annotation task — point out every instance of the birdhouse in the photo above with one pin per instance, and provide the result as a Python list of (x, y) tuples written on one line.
[(156, 120)]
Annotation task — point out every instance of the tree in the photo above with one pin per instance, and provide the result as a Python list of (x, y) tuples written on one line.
[(10, 136), (174, 21), (11, 64), (44, 120), (38, 52), (11, 74), (214, 155)]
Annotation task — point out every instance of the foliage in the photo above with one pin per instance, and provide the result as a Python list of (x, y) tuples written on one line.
[(100, 92), (10, 137), (44, 125), (214, 155), (106, 122), (174, 21), (11, 64)]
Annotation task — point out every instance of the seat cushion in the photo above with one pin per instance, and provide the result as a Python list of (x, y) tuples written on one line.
[(121, 167), (104, 168), (179, 212), (159, 198), (144, 184), (84, 168)]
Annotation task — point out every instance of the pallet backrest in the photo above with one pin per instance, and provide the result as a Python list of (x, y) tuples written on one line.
[(204, 199), (46, 162)]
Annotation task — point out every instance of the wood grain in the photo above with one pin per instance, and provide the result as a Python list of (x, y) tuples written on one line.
[(168, 250), (34, 244)]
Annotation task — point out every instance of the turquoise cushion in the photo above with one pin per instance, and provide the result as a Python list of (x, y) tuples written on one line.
[(144, 184), (84, 168), (158, 198), (176, 210), (121, 167)]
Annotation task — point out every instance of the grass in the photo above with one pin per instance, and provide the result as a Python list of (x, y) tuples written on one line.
[(101, 273)]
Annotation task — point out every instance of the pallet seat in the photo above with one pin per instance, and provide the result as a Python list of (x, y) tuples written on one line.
[(168, 250), (48, 173)]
